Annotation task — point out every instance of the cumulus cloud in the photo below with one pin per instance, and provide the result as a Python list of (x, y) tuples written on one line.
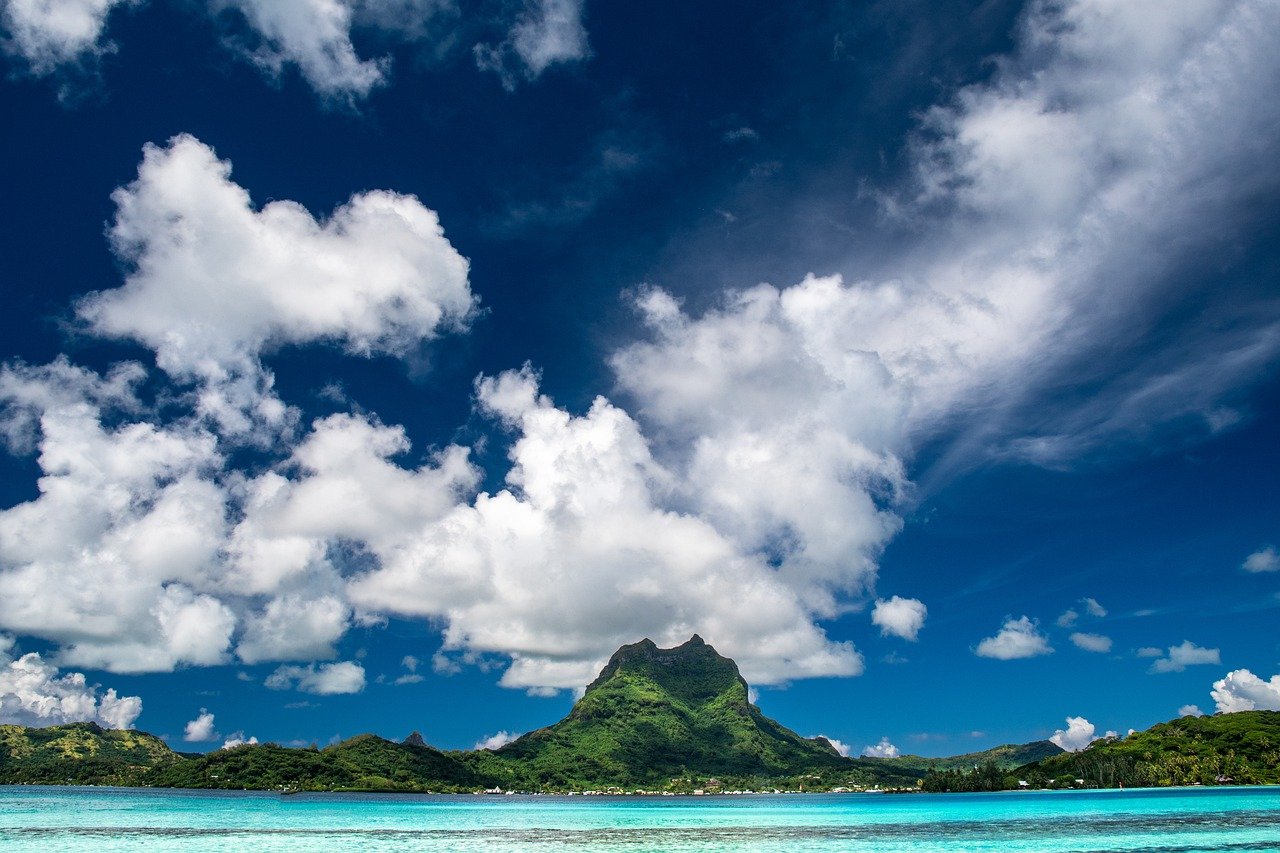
[(900, 617), (33, 693), (1018, 638), (1190, 711), (1179, 657), (1263, 560), (579, 555), (1107, 133), (53, 34), (200, 729), (1092, 642), (238, 739), (883, 749), (1241, 690), (546, 33), (126, 529), (1078, 734), (312, 35), (496, 741), (214, 283), (327, 679)]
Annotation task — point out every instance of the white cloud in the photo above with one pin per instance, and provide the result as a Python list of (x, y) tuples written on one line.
[(900, 617), (1149, 652), (410, 663), (1092, 642), (293, 627), (54, 34), (1263, 560), (200, 729), (580, 554), (111, 558), (496, 741), (883, 749), (1078, 734), (1184, 655), (546, 33), (33, 693), (238, 739), (1241, 690), (1190, 711), (1018, 638), (1068, 618), (327, 679), (215, 283), (1093, 608), (314, 36)]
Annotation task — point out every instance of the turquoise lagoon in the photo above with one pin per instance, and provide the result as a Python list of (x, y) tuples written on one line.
[(1164, 820)]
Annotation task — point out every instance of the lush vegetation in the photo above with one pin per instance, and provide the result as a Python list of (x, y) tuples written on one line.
[(663, 718), (1241, 748), (80, 754), (1005, 757), (656, 719), (364, 763)]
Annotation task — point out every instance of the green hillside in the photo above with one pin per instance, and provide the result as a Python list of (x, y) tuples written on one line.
[(1241, 748), (655, 716), (1006, 757), (365, 762), (80, 754), (655, 719)]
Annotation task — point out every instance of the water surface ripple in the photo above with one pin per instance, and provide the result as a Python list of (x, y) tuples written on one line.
[(1149, 821)]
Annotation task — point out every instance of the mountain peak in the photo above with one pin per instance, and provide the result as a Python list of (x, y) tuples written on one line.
[(692, 672)]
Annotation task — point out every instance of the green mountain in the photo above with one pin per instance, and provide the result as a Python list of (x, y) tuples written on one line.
[(365, 762), (657, 715), (1240, 748), (80, 754), (1007, 757), (658, 719)]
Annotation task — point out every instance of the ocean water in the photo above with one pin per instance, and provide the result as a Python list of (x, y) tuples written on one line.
[(1153, 821)]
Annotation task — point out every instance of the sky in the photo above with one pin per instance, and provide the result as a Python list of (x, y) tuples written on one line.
[(383, 365)]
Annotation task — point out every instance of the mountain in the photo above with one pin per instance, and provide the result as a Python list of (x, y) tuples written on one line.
[(655, 716), (365, 762), (80, 754), (1242, 747), (1007, 757), (658, 719)]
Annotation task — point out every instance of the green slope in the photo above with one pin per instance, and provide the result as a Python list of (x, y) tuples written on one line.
[(1243, 748), (80, 754), (365, 762), (658, 715), (1006, 757)]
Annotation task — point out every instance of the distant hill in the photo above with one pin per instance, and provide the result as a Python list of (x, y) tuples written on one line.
[(365, 762), (1242, 748), (80, 754), (656, 719), (1006, 757), (657, 715)]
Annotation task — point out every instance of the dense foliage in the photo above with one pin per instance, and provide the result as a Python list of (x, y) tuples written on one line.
[(1241, 748), (656, 719), (1005, 757), (80, 754)]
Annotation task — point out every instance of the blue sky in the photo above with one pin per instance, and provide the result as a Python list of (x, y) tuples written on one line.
[(381, 365)]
